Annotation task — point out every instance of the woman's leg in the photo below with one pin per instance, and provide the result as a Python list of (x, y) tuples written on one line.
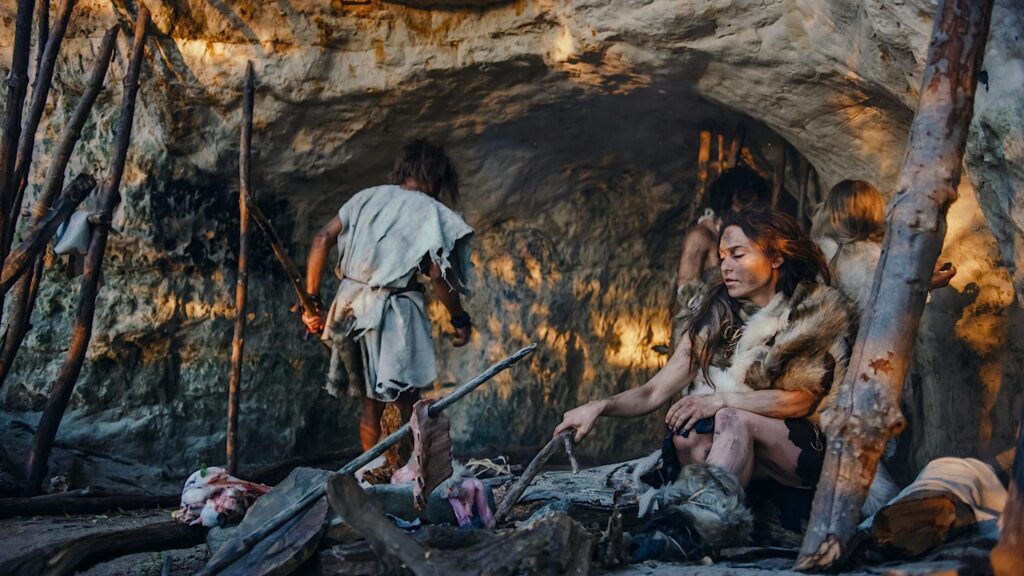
[(369, 422), (745, 442), (693, 449)]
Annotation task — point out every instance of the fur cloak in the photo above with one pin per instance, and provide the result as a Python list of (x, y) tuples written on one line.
[(797, 343)]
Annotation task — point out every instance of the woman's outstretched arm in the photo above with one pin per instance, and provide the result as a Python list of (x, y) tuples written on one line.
[(671, 379)]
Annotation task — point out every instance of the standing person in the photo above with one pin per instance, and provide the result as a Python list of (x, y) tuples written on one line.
[(387, 236), (849, 229), (735, 189)]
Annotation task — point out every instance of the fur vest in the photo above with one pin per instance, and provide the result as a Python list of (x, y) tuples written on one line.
[(797, 343)]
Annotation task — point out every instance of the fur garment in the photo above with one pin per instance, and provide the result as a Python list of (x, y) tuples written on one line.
[(710, 497), (798, 343)]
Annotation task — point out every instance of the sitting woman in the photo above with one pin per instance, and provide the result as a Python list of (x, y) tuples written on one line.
[(764, 347), (849, 229)]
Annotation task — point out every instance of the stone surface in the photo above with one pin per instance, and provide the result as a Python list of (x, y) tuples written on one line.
[(574, 126)]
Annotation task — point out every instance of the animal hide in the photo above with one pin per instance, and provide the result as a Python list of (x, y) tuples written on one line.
[(431, 452)]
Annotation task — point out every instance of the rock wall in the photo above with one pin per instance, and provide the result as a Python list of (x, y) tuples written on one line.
[(574, 125)]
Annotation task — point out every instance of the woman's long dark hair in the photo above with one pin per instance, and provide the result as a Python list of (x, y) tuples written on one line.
[(428, 164), (776, 234)]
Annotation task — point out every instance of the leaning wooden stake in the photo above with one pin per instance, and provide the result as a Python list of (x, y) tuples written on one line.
[(82, 330), (864, 412), (563, 440), (703, 158), (235, 550), (24, 294), (40, 92), (17, 86), (242, 282), (778, 178)]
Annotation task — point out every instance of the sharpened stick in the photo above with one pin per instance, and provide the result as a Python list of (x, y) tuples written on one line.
[(563, 439)]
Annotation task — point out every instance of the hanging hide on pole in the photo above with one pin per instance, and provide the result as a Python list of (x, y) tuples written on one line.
[(81, 333)]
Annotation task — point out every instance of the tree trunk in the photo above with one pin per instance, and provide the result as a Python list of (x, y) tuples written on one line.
[(23, 300), (864, 412), (242, 281), (64, 385)]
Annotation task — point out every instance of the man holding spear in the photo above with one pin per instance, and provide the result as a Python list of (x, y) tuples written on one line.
[(386, 236)]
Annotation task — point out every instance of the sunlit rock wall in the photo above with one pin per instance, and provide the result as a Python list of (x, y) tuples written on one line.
[(574, 125)]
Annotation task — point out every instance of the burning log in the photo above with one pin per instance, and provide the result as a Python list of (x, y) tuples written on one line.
[(864, 411), (242, 282), (40, 92), (23, 300), (17, 86), (562, 440), (243, 544), (82, 331)]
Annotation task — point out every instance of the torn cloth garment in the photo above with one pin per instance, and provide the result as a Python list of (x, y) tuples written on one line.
[(386, 233)]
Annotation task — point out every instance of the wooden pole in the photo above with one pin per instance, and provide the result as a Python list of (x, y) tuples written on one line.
[(736, 145), (864, 412), (43, 33), (721, 154), (234, 550), (1008, 555), (242, 281), (40, 92), (81, 333), (17, 86), (778, 179), (23, 297), (703, 158)]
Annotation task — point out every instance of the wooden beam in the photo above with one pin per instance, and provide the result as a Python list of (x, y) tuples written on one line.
[(863, 413), (24, 295), (81, 333), (242, 280)]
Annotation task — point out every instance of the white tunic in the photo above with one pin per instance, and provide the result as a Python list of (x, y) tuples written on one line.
[(386, 232)]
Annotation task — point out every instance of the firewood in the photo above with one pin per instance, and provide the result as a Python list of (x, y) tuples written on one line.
[(863, 412), (919, 522), (82, 502)]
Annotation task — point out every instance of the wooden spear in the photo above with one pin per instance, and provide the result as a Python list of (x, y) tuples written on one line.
[(23, 297), (234, 550), (17, 86), (40, 92), (864, 412), (82, 330), (242, 281)]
